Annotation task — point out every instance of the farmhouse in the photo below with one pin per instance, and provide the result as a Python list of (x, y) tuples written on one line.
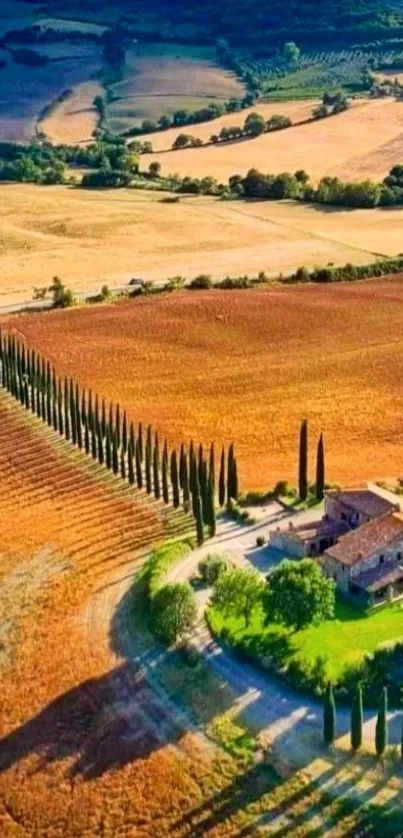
[(367, 563)]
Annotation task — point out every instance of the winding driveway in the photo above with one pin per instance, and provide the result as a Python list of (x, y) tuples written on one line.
[(290, 721)]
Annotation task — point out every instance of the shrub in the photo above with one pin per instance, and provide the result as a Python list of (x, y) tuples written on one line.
[(201, 282), (174, 612), (211, 567), (260, 541)]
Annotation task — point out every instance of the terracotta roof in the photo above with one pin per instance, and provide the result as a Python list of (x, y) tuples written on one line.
[(323, 528), (364, 501), (358, 544), (379, 577)]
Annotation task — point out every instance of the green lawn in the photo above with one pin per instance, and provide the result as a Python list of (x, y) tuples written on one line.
[(342, 641)]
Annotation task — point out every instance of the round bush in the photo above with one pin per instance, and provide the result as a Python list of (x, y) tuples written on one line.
[(211, 567), (174, 612)]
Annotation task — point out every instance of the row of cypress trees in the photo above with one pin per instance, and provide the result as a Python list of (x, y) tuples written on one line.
[(303, 484), (381, 730), (105, 433)]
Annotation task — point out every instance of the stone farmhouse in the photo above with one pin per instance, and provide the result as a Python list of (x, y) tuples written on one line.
[(358, 542)]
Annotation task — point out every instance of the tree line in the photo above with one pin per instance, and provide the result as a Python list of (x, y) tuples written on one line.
[(186, 479)]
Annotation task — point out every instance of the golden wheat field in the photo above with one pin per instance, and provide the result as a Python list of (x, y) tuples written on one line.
[(363, 142), (88, 238), (74, 119), (247, 366)]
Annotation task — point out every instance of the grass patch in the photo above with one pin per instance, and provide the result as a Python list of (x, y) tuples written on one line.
[(340, 642), (162, 559)]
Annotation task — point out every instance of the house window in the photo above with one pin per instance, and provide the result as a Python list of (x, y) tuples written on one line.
[(381, 558), (399, 556)]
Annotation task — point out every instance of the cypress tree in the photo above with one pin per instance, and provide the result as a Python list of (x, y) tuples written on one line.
[(192, 466), (132, 438), (100, 445), (234, 478), (96, 413), (78, 420), (122, 464), (175, 480), (83, 408), (181, 464), (86, 437), (130, 465), (33, 383), (94, 435), (73, 414), (230, 472), (55, 402), (212, 464), (140, 442), (124, 433), (381, 730), (221, 482), (149, 440), (329, 716), (156, 471), (110, 419), (60, 407), (117, 425), (211, 505), (200, 464), (103, 419), (165, 489), (401, 741), (204, 494), (108, 449), (303, 461), (356, 720), (66, 410), (148, 467), (90, 410), (43, 391), (199, 517), (186, 490), (115, 455), (195, 495), (139, 476), (320, 469)]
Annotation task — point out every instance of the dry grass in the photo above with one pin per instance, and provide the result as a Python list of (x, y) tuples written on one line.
[(74, 120), (296, 111), (248, 366), (365, 141), (93, 237), (165, 79)]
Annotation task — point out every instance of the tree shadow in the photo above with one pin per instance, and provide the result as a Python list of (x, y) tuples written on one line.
[(102, 724)]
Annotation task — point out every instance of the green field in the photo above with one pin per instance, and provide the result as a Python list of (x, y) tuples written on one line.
[(342, 641)]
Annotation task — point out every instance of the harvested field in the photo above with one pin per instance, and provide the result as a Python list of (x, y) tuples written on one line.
[(296, 111), (248, 366), (73, 120), (363, 142), (26, 91), (164, 78), (90, 237)]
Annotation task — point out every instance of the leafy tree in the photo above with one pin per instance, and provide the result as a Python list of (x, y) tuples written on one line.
[(320, 469), (303, 461), (381, 730), (237, 592), (174, 612), (329, 716), (298, 594), (356, 719), (291, 54), (255, 124), (154, 169)]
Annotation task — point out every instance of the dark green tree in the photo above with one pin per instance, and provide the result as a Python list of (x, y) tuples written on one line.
[(381, 730), (356, 719), (130, 464), (186, 488), (230, 472), (181, 462), (139, 473), (55, 422), (103, 419), (198, 512), (212, 465), (66, 410), (115, 453), (165, 489), (124, 433), (140, 441), (211, 505), (303, 461), (60, 407), (132, 437), (221, 482), (320, 469), (204, 494), (122, 464), (200, 464), (148, 467), (73, 414), (156, 469), (192, 466), (108, 449), (329, 716), (100, 445), (117, 425), (175, 480)]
